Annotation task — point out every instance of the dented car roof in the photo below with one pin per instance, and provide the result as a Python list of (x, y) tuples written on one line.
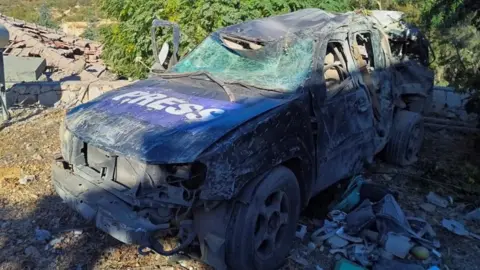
[(277, 27)]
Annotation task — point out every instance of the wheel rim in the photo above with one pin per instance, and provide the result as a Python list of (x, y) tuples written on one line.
[(414, 143), (271, 224)]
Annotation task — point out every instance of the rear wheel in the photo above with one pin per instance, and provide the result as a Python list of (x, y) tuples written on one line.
[(262, 232), (406, 139)]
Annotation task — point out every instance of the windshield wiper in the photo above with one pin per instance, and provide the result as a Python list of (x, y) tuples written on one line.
[(249, 86), (221, 83)]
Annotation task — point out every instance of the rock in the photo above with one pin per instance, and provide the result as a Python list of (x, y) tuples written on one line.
[(32, 252), (37, 157), (77, 232), (428, 207), (437, 200), (42, 235), (26, 179), (420, 252)]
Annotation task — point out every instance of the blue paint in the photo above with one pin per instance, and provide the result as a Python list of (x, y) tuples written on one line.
[(156, 136)]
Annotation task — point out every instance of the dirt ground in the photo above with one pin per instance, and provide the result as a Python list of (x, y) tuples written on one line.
[(448, 166)]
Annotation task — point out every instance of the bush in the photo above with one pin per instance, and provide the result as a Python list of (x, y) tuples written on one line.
[(130, 39)]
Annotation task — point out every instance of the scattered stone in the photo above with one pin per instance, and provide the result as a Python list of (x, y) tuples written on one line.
[(437, 200), (301, 231), (26, 179), (37, 157), (32, 252), (29, 146), (318, 267), (420, 252), (42, 235), (474, 215), (428, 207)]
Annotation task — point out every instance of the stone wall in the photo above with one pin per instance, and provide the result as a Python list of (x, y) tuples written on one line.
[(448, 103), (66, 94)]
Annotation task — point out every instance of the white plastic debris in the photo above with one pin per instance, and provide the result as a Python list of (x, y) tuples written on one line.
[(458, 228), (26, 179), (437, 200), (302, 230)]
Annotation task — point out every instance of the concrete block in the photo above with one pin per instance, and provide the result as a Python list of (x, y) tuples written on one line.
[(23, 69), (48, 98)]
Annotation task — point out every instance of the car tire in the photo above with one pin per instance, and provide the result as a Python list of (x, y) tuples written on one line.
[(406, 138), (261, 232)]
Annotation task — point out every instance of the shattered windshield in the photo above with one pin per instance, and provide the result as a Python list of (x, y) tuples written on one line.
[(282, 66)]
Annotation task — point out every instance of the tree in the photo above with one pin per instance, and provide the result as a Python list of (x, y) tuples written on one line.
[(129, 39), (45, 17)]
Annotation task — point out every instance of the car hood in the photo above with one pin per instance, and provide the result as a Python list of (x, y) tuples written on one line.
[(155, 121)]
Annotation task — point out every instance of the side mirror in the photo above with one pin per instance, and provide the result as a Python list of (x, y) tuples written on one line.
[(162, 55)]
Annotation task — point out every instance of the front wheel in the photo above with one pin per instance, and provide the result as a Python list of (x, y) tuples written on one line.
[(261, 232)]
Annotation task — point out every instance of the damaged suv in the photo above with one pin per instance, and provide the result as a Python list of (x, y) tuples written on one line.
[(225, 148)]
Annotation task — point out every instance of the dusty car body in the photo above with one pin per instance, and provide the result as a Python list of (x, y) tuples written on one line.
[(224, 149)]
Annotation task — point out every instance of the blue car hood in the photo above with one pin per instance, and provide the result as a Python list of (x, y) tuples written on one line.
[(152, 121)]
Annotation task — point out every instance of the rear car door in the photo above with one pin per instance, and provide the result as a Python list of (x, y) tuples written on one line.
[(367, 46), (345, 117)]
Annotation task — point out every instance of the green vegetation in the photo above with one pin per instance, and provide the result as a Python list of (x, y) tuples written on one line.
[(453, 26), (129, 39)]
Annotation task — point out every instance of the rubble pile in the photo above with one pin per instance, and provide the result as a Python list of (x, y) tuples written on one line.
[(367, 229), (68, 55)]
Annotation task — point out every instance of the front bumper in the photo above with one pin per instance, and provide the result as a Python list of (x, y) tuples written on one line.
[(96, 204)]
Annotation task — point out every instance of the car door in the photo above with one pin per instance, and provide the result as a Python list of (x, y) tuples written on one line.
[(344, 115), (367, 46)]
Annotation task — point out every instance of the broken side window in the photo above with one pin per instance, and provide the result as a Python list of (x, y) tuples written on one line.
[(365, 49), (335, 65)]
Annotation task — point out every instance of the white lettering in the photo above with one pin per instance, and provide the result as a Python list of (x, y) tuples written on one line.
[(130, 95), (158, 105), (177, 106), (184, 108), (144, 100)]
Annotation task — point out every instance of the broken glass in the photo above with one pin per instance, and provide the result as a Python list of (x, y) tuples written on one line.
[(283, 66)]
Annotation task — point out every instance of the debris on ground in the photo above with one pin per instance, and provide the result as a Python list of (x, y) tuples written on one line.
[(437, 200), (458, 228), (26, 179), (301, 231), (370, 228), (473, 215)]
